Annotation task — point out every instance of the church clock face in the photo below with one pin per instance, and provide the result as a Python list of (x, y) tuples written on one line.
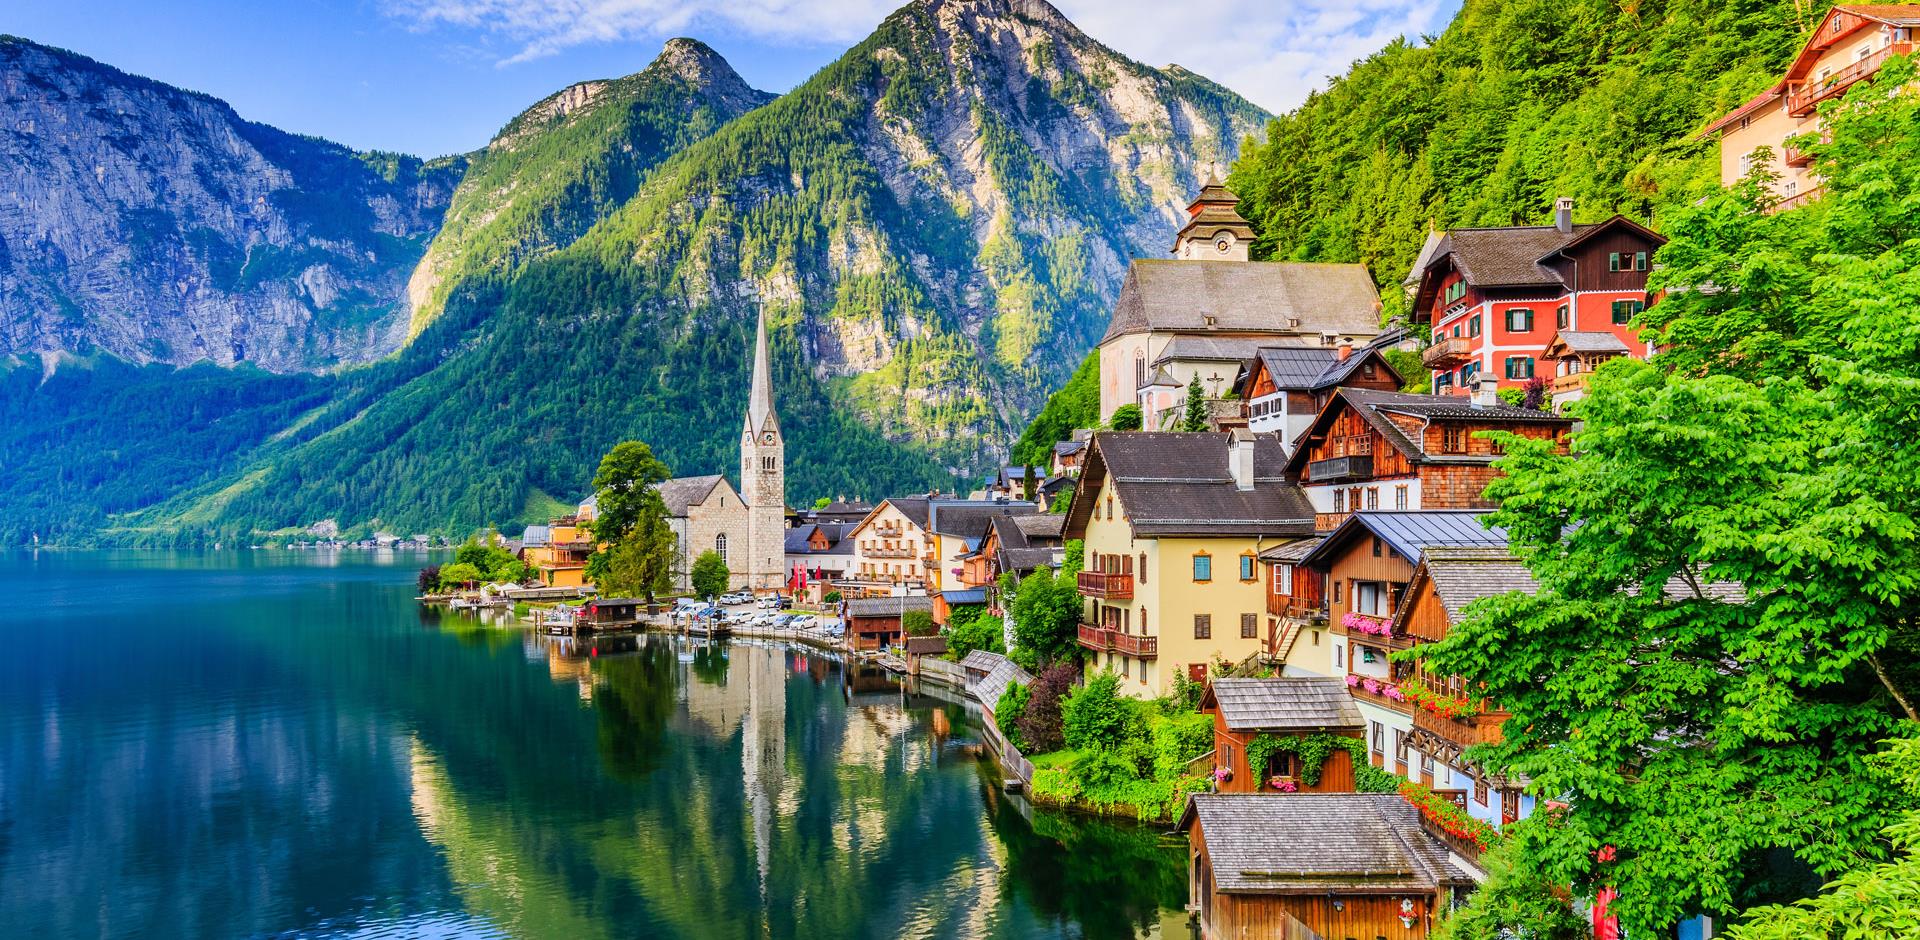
[(767, 438), (1223, 242)]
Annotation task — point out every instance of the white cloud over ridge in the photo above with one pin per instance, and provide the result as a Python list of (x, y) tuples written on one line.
[(1272, 51)]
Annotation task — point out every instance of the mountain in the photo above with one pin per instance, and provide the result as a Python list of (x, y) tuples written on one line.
[(156, 225), (569, 161), (1517, 103), (935, 225)]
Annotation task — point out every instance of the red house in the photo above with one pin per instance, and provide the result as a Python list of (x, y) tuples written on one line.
[(1497, 296)]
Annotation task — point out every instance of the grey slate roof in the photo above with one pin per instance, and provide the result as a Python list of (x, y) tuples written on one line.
[(1290, 552), (1285, 704), (536, 536), (1029, 541), (981, 660), (1001, 673), (682, 492), (1411, 533), (1318, 843), (1221, 348), (1245, 296), (913, 507), (1067, 448), (798, 538), (968, 519), (1039, 525), (888, 606), (1177, 483), (1508, 257), (1374, 407)]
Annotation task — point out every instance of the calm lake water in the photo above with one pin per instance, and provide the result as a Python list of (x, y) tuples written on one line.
[(285, 744)]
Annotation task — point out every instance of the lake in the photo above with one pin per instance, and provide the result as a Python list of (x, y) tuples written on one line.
[(276, 743)]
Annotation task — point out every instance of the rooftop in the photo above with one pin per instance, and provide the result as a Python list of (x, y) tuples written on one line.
[(1177, 483), (1318, 843), (1285, 704), (1246, 296), (1411, 533)]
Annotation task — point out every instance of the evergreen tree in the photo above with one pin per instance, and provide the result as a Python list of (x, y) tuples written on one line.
[(1195, 416)]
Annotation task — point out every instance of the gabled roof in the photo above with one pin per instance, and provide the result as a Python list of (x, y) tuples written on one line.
[(1028, 542), (1000, 673), (1065, 448), (1585, 342), (913, 507), (1178, 483), (1290, 552), (1462, 574), (1284, 704), (1512, 256), (1311, 368), (1375, 407), (1318, 844), (1822, 37), (1409, 533), (680, 493), (968, 519), (799, 539), (1246, 296), (888, 606)]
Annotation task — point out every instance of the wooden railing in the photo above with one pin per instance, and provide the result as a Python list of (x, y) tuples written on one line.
[(1803, 99), (1336, 469), (1466, 730), (1571, 382), (888, 552), (1461, 846), (1446, 351), (1132, 644), (1105, 585), (1095, 638), (1796, 200)]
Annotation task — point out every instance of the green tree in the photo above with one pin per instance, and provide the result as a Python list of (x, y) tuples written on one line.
[(1725, 630), (917, 623), (709, 574), (459, 575), (1098, 717), (1008, 711), (972, 628), (822, 502), (1046, 619), (1125, 418), (640, 551), (1194, 418), (625, 487), (1881, 900)]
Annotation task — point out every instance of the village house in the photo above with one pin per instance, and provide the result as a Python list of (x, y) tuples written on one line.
[(1395, 451), (1574, 355), (1286, 387), (1173, 526), (1210, 292), (1447, 717), (892, 550), (1296, 634), (558, 551), (839, 510), (1849, 46), (1334, 865), (873, 623), (956, 529), (1245, 710), (1495, 297), (1068, 453), (819, 552), (1367, 564)]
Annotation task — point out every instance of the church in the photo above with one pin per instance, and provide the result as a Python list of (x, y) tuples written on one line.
[(745, 526)]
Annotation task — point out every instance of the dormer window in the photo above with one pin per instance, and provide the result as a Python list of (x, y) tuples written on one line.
[(1211, 320)]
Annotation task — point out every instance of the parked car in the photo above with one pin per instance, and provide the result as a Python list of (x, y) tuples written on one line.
[(801, 622)]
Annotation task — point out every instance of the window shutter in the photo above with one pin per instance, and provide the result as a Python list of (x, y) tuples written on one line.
[(1249, 626), (1203, 626)]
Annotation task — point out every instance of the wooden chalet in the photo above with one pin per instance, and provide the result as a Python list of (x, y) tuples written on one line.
[(1245, 709), (608, 613), (1370, 450), (1286, 386), (1296, 606), (1315, 865), (1574, 355)]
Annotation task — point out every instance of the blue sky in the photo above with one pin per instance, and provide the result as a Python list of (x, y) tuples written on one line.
[(440, 76)]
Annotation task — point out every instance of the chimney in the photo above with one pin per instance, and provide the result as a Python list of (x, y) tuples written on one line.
[(1563, 215), (1487, 393), (1346, 348), (1240, 458)]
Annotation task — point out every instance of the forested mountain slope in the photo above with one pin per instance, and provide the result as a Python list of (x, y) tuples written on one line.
[(935, 225), (157, 225), (1518, 102)]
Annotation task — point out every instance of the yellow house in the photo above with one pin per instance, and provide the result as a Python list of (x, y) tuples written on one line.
[(1173, 526), (957, 527), (560, 549), (892, 550)]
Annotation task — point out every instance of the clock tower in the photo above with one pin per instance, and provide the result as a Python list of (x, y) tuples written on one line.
[(1214, 230), (763, 478)]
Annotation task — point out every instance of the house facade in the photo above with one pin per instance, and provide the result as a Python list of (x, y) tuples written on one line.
[(1398, 452), (1574, 355), (559, 549), (1244, 710), (956, 529), (1495, 297), (1173, 525), (1849, 46), (1285, 387), (892, 550), (1210, 292)]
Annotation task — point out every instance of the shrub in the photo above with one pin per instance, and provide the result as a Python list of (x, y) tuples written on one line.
[(1098, 717), (1178, 740), (1040, 722), (456, 576), (1102, 769), (1008, 711), (709, 576), (1125, 418), (917, 623), (973, 629), (429, 579), (831, 597)]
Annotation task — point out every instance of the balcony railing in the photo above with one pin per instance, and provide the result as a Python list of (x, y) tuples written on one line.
[(1132, 644), (1337, 469), (888, 552), (1328, 521), (1446, 353), (1105, 586), (1283, 605), (577, 545), (1571, 382), (1377, 694), (1796, 200), (1803, 99), (1466, 730), (1094, 638)]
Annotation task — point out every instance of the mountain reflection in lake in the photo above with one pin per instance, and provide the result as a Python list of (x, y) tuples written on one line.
[(278, 743)]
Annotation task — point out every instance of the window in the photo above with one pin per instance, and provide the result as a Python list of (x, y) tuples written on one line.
[(1373, 497), (1473, 325), (1246, 568), (1443, 380), (1746, 163), (1469, 372), (1126, 668), (1560, 317), (1339, 500), (1143, 567), (1792, 187), (1109, 509), (1336, 657), (1139, 370), (1519, 367), (1520, 320), (1370, 598), (1453, 439), (720, 545), (1379, 738), (1336, 592), (1480, 790), (1400, 498), (1639, 261), (1456, 290), (1376, 546), (1283, 579), (1202, 567), (1203, 626), (1613, 261), (1249, 626), (1400, 746), (1625, 310)]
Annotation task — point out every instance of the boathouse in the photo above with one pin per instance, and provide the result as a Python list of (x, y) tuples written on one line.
[(873, 623), (1292, 710), (1315, 865)]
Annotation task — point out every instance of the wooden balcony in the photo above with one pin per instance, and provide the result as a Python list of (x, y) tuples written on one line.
[(1283, 605), (1802, 100), (1381, 699), (1447, 352), (1464, 731), (888, 552), (1105, 586), (1339, 469), (1796, 200), (1132, 644), (1328, 521), (1571, 382), (1461, 846), (1094, 638)]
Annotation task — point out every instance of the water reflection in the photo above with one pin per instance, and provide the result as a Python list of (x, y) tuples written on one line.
[(299, 748)]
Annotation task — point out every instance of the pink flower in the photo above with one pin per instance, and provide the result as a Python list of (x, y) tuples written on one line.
[(1371, 685), (1352, 679)]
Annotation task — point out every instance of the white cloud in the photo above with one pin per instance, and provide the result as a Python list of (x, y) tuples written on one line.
[(1272, 51)]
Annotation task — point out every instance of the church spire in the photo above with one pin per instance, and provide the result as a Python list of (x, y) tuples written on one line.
[(760, 414)]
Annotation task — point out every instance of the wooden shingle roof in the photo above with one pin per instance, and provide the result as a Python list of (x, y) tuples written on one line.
[(1177, 483), (1285, 704), (1246, 296), (1318, 843)]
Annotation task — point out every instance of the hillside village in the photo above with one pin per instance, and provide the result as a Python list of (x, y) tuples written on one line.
[(1264, 525)]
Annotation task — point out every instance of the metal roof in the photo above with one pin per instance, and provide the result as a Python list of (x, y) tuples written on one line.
[(1411, 533)]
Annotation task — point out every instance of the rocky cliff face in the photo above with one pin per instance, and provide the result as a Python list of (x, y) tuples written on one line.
[(570, 160), (157, 225)]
